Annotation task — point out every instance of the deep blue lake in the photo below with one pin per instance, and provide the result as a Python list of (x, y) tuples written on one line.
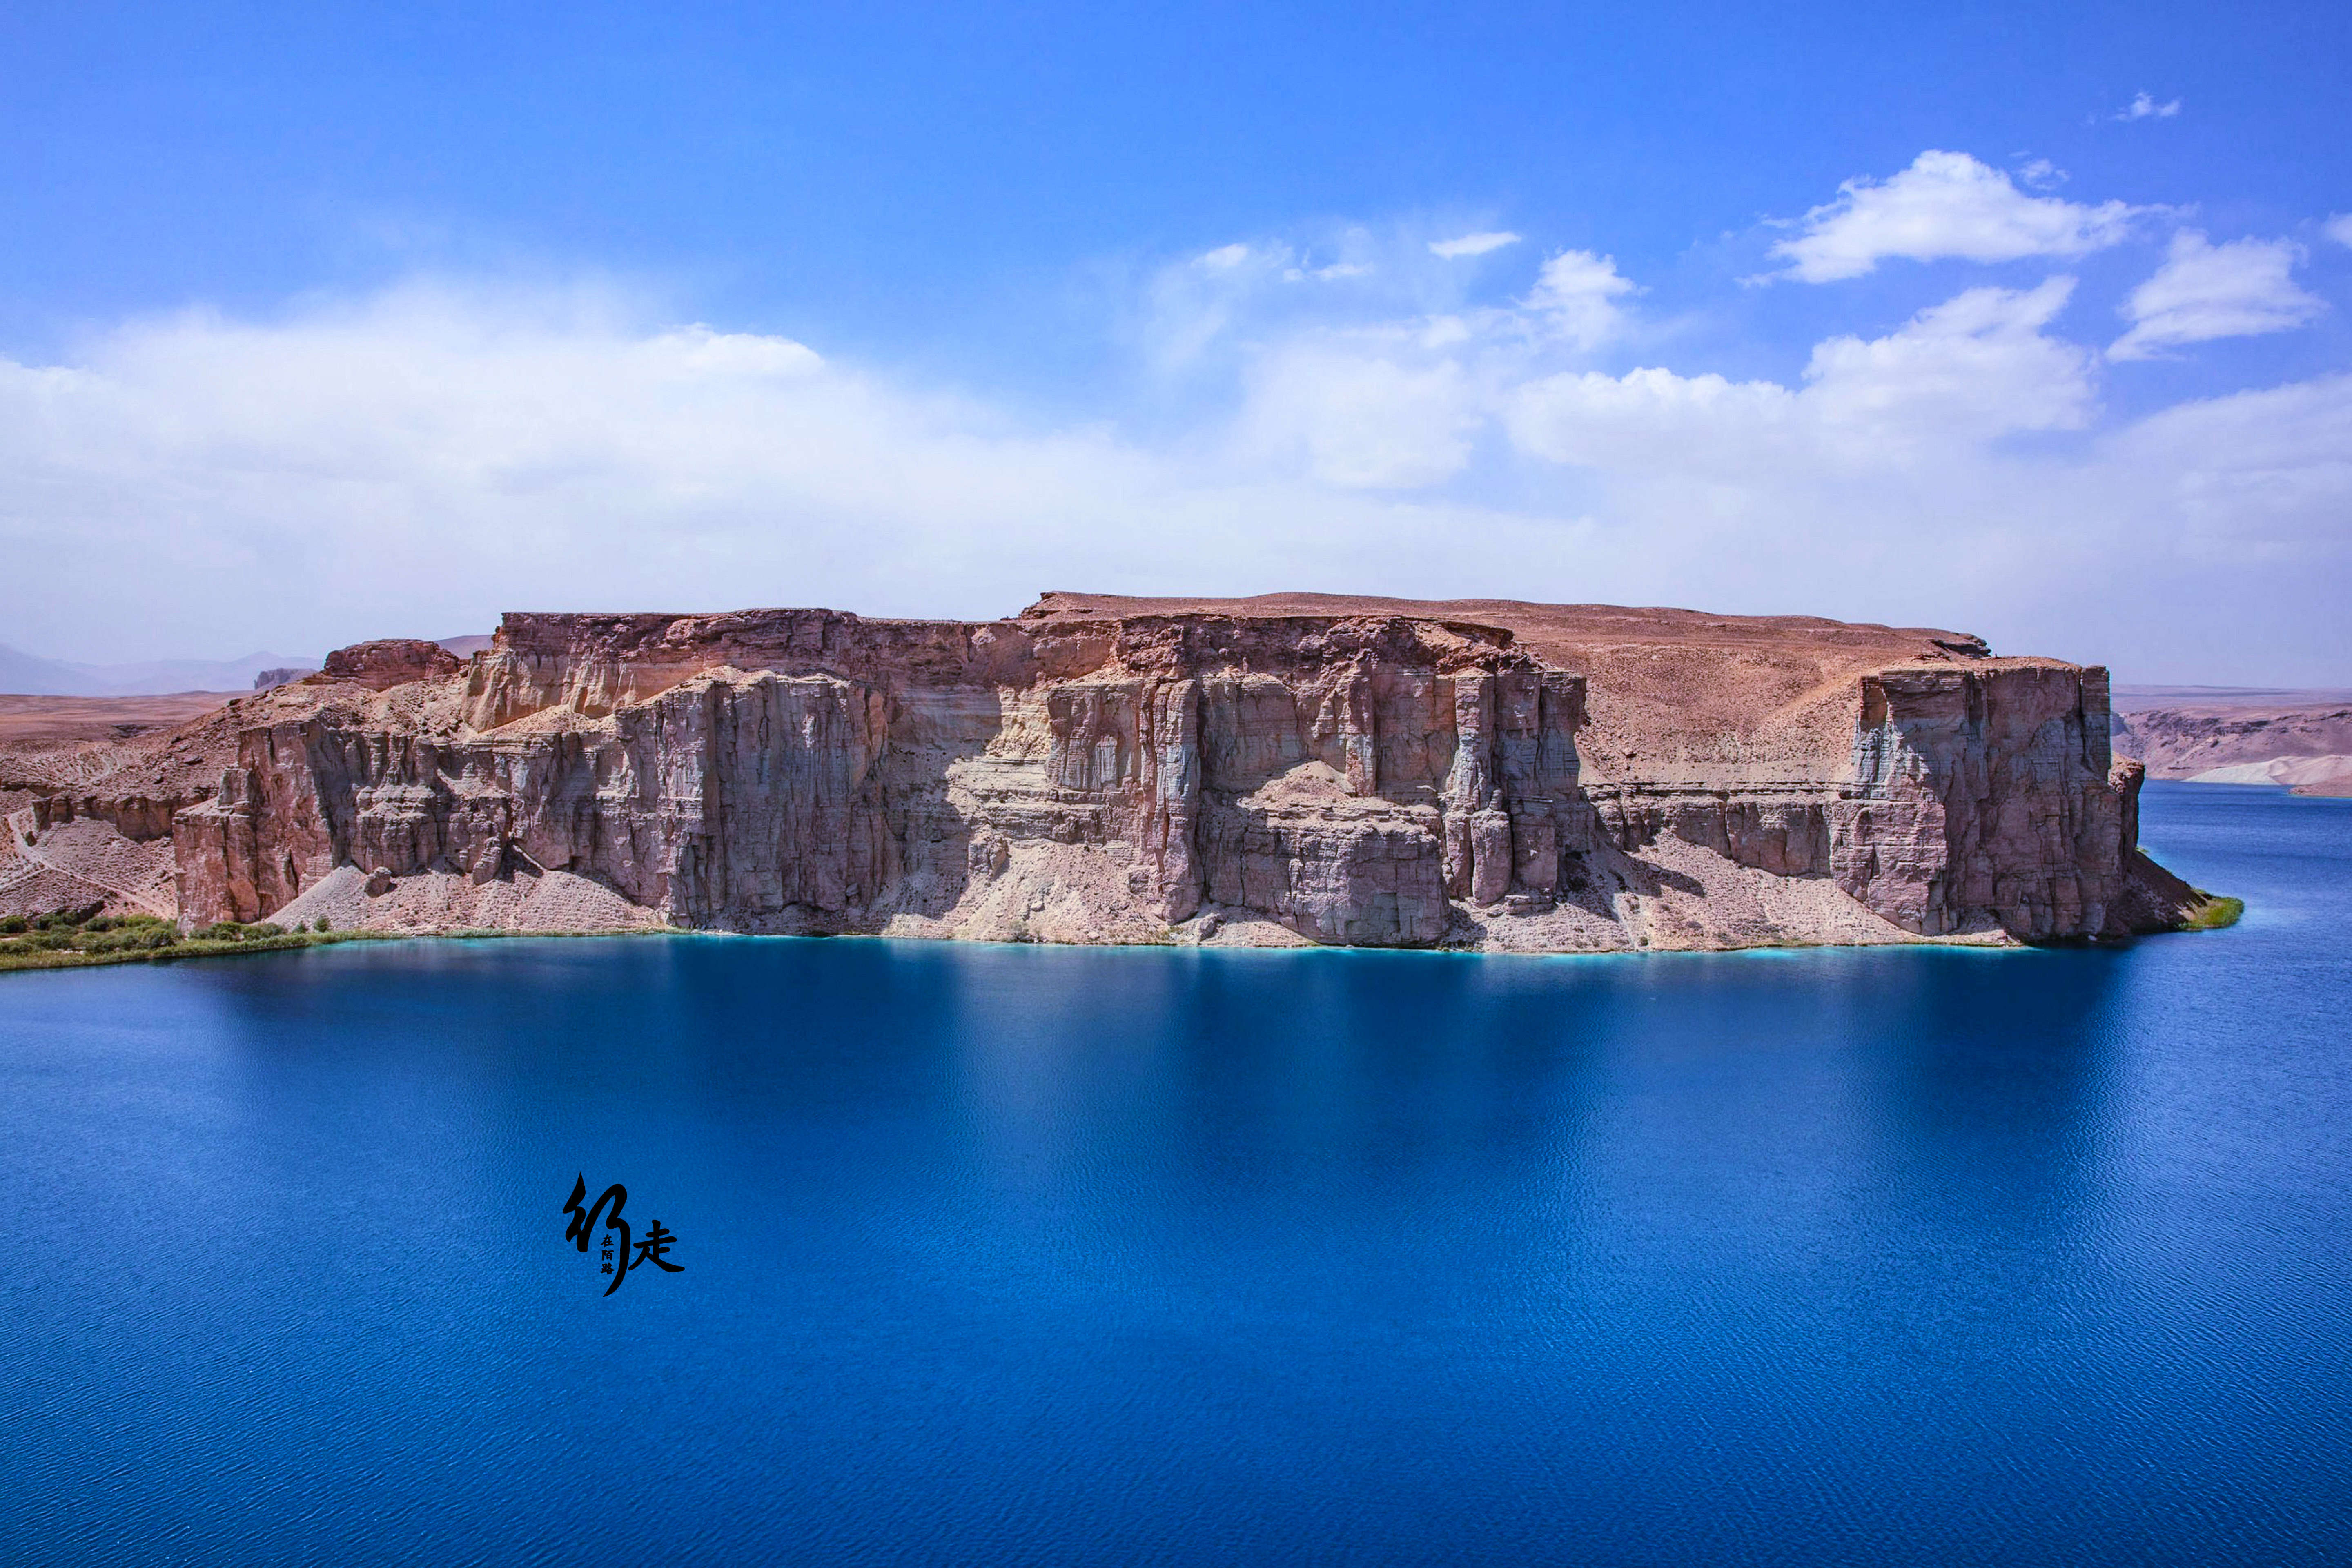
[(999, 1256)]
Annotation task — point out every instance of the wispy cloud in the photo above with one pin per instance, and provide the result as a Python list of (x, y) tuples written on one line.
[(2338, 229), (2205, 291), (2144, 106), (1472, 244), (1367, 410), (1946, 206)]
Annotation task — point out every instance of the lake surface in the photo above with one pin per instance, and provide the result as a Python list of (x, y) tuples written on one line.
[(1000, 1256)]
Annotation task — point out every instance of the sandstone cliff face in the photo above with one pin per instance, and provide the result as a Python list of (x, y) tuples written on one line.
[(1349, 778), (1977, 796), (1985, 796), (1574, 779), (1374, 779)]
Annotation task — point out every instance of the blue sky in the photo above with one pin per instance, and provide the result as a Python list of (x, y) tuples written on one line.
[(325, 322)]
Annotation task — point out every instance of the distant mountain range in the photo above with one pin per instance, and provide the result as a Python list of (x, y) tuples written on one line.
[(37, 677), (30, 675)]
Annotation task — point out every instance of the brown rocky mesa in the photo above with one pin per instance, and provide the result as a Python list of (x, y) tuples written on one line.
[(1297, 769)]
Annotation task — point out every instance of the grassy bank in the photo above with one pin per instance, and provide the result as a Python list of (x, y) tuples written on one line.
[(86, 938), (78, 939), (2215, 912)]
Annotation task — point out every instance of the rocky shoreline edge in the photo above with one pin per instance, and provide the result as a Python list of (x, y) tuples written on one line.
[(2215, 913), (15, 959)]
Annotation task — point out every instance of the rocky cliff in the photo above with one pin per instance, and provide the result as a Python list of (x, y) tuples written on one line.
[(1271, 770)]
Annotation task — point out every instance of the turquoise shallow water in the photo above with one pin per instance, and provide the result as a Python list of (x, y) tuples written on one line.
[(1037, 1256)]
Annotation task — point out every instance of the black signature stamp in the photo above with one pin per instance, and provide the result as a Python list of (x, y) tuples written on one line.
[(654, 1248)]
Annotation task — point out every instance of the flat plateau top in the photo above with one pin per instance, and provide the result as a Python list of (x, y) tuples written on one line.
[(1701, 696), (1774, 692), (1565, 623)]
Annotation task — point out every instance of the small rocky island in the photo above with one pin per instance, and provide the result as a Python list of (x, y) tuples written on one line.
[(1289, 770)]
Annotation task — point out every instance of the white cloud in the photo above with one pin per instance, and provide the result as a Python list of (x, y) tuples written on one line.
[(1951, 379), (2042, 175), (1472, 244), (1190, 307), (1972, 368), (2338, 229), (2205, 291), (2206, 537), (1395, 402), (1576, 296), (1366, 410), (414, 462), (2144, 106), (1650, 419), (2253, 478), (1447, 331), (1946, 206), (428, 458)]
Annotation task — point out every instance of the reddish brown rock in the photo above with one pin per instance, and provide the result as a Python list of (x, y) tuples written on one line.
[(1982, 795), (388, 662), (1302, 768), (1946, 791), (806, 770)]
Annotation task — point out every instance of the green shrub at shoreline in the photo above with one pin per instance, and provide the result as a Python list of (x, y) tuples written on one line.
[(75, 939), (85, 939), (2215, 913)]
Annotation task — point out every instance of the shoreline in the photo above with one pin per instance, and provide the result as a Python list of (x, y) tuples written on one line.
[(291, 941), (2218, 912)]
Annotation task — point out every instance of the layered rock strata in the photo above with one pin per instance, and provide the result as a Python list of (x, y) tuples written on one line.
[(1344, 777), (1107, 771), (1947, 792)]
